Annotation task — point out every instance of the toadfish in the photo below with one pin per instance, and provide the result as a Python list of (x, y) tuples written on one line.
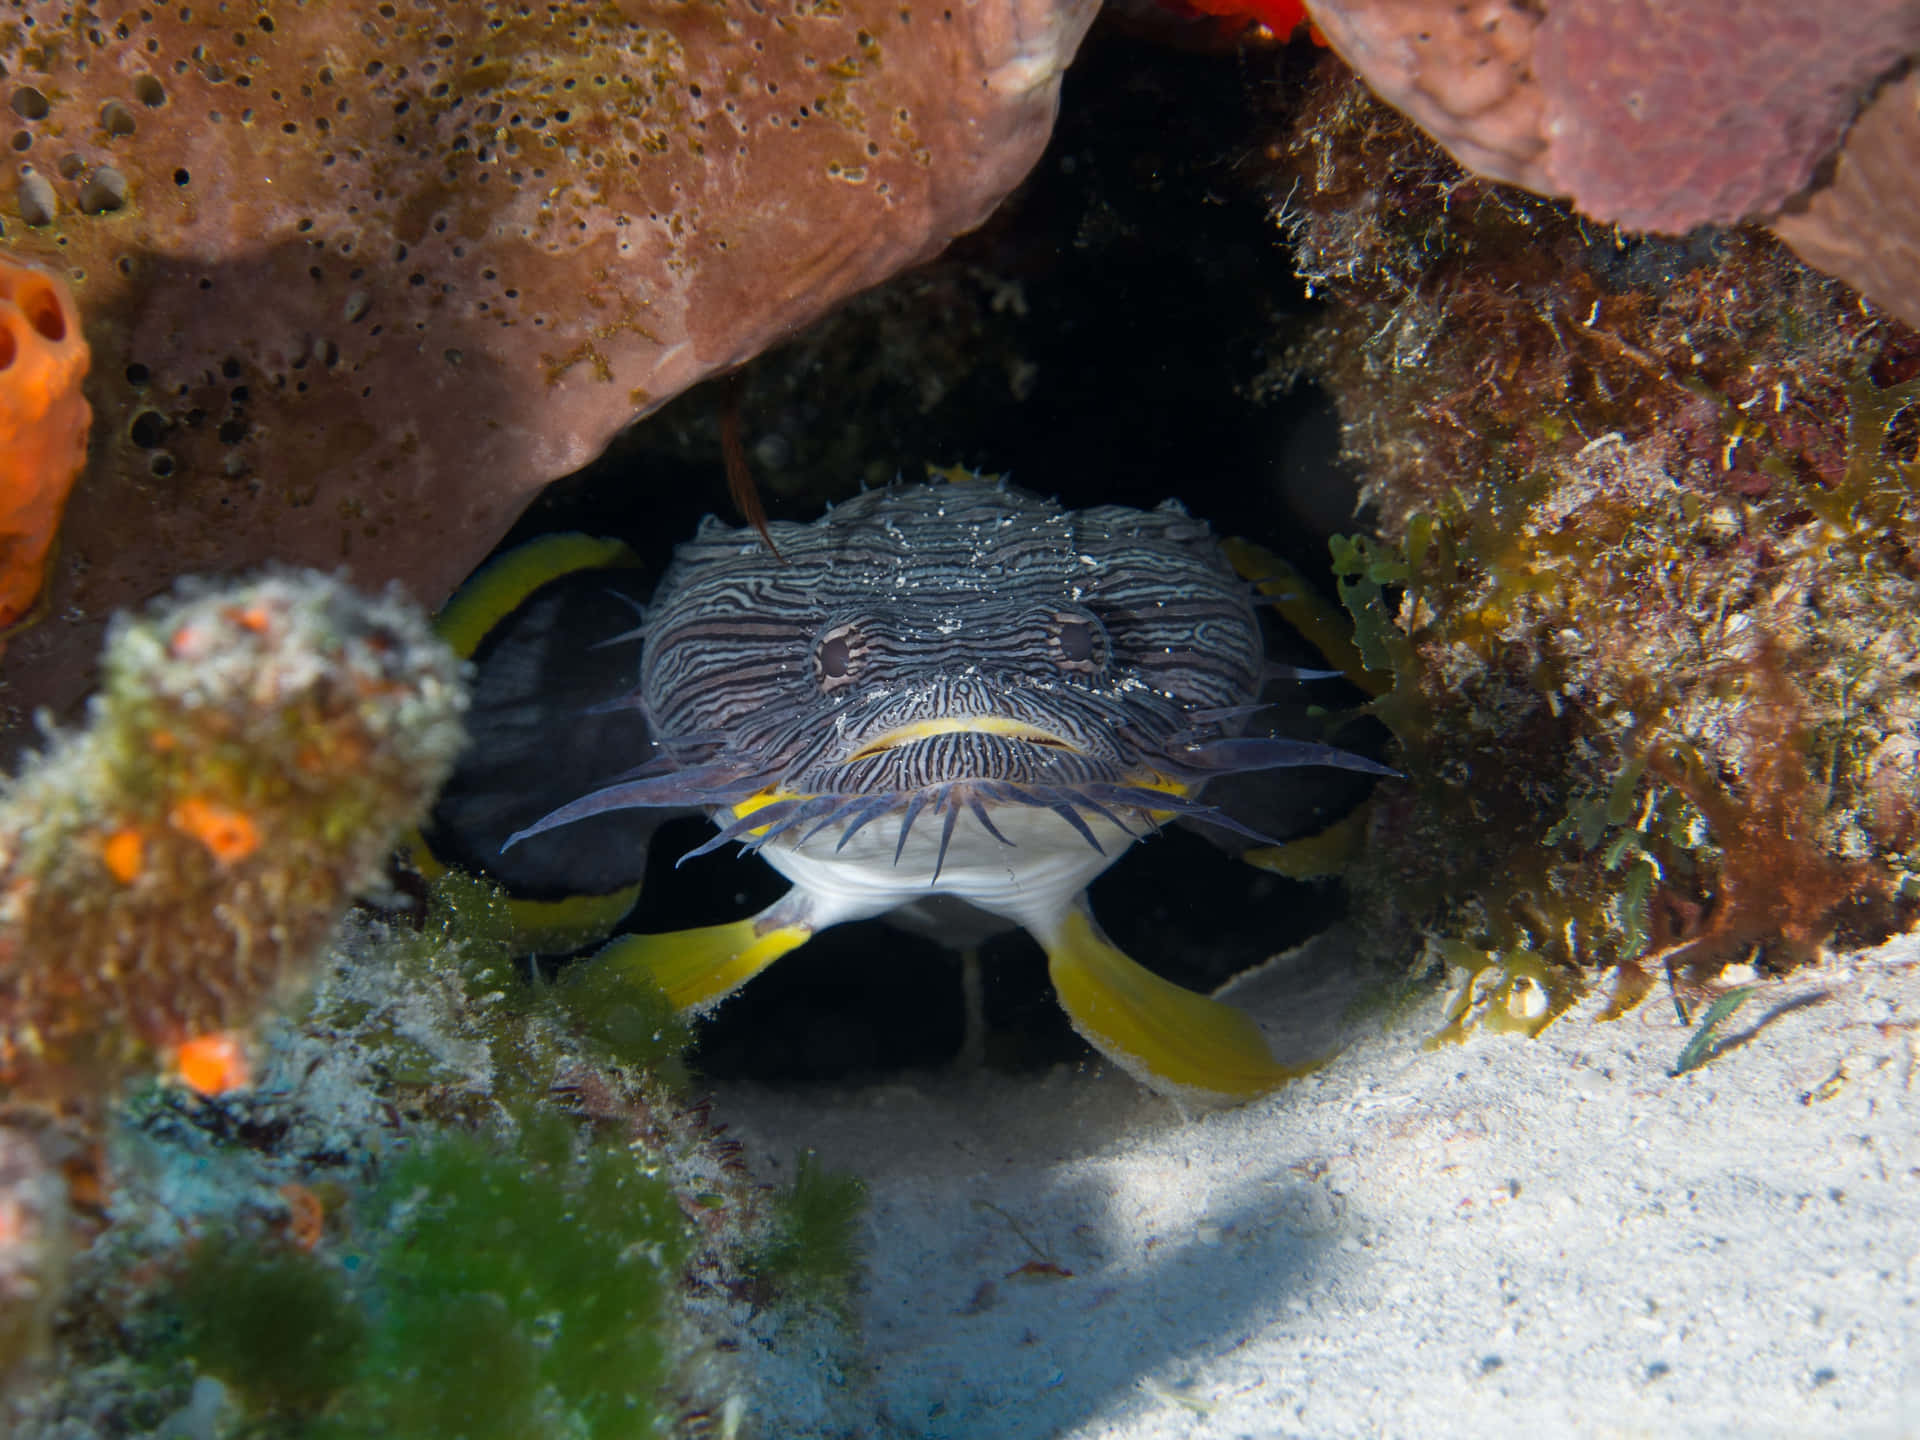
[(961, 690)]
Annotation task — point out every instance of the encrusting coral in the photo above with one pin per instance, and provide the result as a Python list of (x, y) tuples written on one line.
[(457, 1202), (43, 428), (491, 234), (166, 873), (1643, 579)]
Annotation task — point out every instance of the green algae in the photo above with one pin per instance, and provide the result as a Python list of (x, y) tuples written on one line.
[(1706, 1042), (524, 1287), (534, 1030), (279, 1326), (515, 1284), (810, 1250)]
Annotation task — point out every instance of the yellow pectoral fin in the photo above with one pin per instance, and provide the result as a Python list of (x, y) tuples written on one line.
[(1171, 1040), (552, 926), (1326, 852), (700, 968)]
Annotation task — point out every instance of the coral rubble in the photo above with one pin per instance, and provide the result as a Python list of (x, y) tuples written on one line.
[(1644, 579), (167, 872), (352, 277)]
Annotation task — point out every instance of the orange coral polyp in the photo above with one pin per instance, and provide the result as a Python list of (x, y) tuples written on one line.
[(124, 852), (228, 834), (213, 1064), (43, 427)]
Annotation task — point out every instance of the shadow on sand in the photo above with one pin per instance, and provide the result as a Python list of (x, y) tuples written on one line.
[(1045, 1251)]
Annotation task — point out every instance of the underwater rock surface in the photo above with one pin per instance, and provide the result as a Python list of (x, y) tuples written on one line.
[(1641, 572), (359, 283), (1660, 117), (449, 1205)]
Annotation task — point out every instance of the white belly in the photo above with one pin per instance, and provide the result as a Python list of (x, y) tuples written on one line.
[(1030, 882)]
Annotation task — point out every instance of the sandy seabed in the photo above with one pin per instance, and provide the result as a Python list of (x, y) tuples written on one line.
[(1553, 1237)]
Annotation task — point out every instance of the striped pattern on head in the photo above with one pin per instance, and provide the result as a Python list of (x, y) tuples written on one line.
[(946, 644), (936, 602)]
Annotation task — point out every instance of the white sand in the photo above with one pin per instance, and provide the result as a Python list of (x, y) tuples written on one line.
[(1540, 1238)]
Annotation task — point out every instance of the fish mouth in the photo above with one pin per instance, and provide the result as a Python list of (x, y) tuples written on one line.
[(943, 764), (1001, 727)]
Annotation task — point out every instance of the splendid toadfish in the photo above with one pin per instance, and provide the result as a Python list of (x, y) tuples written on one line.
[(958, 690)]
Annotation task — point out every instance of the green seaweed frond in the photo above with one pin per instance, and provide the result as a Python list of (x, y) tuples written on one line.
[(812, 1251), (1363, 568), (1704, 1043), (1878, 490)]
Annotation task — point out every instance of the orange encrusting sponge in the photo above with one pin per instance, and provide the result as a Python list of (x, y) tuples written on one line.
[(43, 428), (172, 872)]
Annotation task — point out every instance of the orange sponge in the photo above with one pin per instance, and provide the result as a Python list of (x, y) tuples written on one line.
[(43, 427)]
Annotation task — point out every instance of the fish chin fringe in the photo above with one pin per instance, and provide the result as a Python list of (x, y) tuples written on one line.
[(720, 787), (1128, 808)]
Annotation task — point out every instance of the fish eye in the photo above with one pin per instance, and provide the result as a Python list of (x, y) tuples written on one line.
[(1076, 645), (837, 656)]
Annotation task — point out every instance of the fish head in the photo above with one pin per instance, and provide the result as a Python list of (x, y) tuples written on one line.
[(945, 646), (940, 635)]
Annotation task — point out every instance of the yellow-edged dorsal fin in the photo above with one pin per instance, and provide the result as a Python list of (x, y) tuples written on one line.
[(503, 584), (958, 474), (699, 968), (1171, 1040)]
